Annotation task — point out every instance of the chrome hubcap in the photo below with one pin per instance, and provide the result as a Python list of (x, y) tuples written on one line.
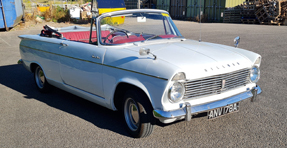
[(131, 113), (40, 77)]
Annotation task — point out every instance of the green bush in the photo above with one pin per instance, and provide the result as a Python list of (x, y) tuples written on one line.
[(60, 15)]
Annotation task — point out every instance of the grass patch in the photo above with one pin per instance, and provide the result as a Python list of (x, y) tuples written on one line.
[(55, 14)]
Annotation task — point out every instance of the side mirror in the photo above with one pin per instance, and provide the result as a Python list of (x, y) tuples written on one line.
[(144, 51), (236, 41)]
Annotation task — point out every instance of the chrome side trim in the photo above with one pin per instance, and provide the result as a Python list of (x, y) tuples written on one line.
[(42, 40), (158, 77), (186, 109)]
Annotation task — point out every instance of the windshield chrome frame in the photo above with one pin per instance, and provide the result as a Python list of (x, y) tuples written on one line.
[(109, 14)]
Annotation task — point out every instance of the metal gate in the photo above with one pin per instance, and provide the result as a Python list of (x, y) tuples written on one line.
[(131, 4), (193, 8), (178, 9), (214, 10), (163, 4)]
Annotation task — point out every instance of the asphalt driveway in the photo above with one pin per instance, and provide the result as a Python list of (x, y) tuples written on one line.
[(59, 119)]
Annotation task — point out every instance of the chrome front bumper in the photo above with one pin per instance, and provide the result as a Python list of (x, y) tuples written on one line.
[(187, 111)]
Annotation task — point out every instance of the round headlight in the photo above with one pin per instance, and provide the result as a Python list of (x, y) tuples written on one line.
[(254, 74), (176, 92)]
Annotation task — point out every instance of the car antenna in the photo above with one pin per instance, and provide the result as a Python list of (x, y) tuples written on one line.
[(200, 21)]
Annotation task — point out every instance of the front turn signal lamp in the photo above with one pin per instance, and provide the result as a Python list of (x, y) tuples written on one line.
[(258, 61), (178, 76)]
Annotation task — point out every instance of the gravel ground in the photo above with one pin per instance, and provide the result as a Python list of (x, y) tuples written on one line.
[(59, 119)]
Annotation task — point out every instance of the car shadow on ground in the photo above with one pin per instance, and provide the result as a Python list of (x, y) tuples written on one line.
[(19, 79)]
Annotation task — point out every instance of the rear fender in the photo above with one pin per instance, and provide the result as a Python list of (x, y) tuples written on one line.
[(32, 70)]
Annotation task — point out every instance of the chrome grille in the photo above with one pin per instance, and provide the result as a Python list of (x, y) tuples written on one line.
[(214, 84)]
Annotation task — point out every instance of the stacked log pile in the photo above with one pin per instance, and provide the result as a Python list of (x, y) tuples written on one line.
[(265, 11), (232, 15), (248, 13), (258, 11)]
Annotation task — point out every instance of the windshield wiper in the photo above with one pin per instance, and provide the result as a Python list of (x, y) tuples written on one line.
[(176, 37), (151, 37)]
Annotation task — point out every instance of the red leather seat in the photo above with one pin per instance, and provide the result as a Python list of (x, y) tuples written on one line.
[(117, 38), (83, 36), (167, 36), (133, 38), (124, 39)]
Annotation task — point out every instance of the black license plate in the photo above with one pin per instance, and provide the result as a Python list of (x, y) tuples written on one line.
[(223, 110)]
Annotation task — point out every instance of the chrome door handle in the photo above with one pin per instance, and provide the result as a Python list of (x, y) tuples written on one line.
[(63, 44), (97, 57)]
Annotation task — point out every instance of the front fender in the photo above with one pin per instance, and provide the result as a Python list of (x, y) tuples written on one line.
[(131, 81)]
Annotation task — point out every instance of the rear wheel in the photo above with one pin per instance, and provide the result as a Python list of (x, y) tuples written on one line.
[(137, 113), (40, 80)]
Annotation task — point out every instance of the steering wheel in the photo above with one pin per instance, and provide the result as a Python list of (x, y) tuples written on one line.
[(114, 32)]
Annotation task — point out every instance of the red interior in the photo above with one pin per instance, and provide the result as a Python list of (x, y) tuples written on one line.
[(167, 36), (124, 39), (83, 36), (133, 38)]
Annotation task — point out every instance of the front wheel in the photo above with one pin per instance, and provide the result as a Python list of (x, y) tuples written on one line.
[(137, 113), (40, 80)]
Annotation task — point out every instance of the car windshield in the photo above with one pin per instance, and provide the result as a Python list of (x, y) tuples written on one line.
[(136, 27)]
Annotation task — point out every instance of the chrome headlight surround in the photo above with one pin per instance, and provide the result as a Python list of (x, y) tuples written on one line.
[(177, 90), (254, 74)]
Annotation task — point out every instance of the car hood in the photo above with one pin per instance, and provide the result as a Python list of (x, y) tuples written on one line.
[(198, 59)]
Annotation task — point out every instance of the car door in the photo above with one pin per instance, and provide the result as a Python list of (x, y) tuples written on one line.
[(81, 66)]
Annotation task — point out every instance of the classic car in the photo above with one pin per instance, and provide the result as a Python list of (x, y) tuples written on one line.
[(143, 68)]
